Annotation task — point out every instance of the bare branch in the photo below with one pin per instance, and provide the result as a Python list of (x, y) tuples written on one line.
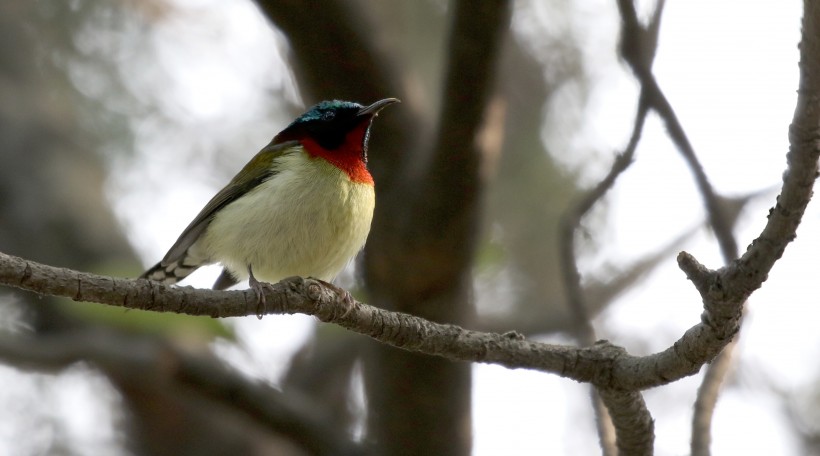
[(572, 221), (298, 295), (707, 399), (752, 269), (725, 290), (584, 331), (602, 364), (633, 423), (639, 56), (607, 432)]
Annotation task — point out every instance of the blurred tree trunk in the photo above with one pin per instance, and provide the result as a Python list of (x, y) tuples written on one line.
[(431, 171)]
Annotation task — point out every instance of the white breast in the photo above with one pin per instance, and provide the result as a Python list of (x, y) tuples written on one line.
[(310, 219)]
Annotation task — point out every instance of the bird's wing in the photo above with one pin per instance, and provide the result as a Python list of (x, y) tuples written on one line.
[(254, 173)]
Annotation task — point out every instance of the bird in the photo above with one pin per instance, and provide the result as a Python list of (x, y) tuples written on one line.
[(302, 206)]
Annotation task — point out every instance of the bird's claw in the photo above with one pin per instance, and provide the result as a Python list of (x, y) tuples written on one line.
[(259, 288), (347, 302), (347, 299)]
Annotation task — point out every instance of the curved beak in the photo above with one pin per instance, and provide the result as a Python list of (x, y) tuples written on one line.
[(373, 110)]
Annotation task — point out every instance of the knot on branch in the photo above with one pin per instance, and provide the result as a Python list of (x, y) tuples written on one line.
[(314, 291), (722, 308), (706, 281), (603, 357)]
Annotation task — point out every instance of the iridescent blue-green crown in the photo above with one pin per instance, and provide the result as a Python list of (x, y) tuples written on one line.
[(325, 110)]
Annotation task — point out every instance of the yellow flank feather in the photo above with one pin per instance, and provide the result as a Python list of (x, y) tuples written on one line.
[(310, 220)]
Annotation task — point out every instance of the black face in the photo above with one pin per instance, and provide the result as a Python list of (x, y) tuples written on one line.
[(328, 123)]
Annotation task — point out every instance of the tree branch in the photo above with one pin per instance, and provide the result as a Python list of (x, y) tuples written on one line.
[(602, 364), (639, 55), (419, 261), (706, 401), (628, 405), (752, 269), (570, 223), (724, 291), (298, 295), (633, 423), (638, 46)]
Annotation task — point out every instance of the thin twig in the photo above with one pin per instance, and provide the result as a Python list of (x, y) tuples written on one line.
[(571, 222), (706, 401), (597, 293), (636, 57)]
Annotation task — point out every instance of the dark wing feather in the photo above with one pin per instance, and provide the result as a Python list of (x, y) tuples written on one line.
[(254, 173), (225, 280)]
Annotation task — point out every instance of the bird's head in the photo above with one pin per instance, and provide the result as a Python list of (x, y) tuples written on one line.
[(336, 131)]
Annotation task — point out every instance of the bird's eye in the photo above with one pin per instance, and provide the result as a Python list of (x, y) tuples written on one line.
[(328, 116)]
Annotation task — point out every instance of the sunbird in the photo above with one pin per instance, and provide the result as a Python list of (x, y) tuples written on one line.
[(302, 206)]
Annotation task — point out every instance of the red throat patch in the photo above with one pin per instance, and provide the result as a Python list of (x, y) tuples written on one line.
[(348, 157)]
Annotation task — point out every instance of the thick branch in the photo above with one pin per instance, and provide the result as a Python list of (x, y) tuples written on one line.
[(342, 59), (724, 291), (602, 364), (475, 42), (607, 432), (297, 295), (633, 423), (798, 180)]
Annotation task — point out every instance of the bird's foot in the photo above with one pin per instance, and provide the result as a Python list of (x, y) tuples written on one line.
[(258, 288), (347, 299)]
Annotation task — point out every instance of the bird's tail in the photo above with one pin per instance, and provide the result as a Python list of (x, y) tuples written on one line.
[(170, 273)]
